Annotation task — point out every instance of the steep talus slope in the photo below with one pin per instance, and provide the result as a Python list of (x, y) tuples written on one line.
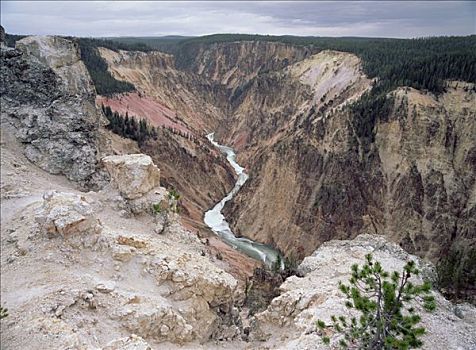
[(47, 94), (137, 104)]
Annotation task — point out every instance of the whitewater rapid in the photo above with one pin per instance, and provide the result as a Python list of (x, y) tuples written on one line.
[(216, 221)]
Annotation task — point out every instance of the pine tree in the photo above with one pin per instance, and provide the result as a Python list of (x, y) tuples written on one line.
[(386, 320)]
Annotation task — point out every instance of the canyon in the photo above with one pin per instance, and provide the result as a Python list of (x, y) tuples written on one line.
[(312, 176), (94, 255)]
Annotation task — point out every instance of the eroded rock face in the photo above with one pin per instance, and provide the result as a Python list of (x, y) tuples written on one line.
[(62, 56), (316, 296), (314, 178), (47, 94), (67, 214), (133, 174)]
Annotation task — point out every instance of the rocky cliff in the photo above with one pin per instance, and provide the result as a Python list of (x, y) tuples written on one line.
[(233, 64), (47, 94), (314, 178), (416, 184)]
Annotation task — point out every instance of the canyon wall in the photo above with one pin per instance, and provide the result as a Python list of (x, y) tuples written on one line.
[(313, 175), (313, 179)]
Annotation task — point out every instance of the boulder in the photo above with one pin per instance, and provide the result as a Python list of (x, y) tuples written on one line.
[(134, 175), (134, 342), (66, 214), (158, 321)]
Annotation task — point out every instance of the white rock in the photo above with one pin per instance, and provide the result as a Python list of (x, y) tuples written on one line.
[(106, 287), (133, 174), (133, 342), (66, 214), (316, 296), (123, 253)]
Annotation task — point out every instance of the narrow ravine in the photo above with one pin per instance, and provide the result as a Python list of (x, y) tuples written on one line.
[(217, 222)]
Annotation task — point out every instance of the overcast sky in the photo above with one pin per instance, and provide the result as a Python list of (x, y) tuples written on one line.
[(320, 18)]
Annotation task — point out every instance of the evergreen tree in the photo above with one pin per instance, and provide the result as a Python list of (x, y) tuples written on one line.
[(386, 321), (129, 126)]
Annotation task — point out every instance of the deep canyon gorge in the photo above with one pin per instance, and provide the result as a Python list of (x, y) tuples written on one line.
[(120, 216)]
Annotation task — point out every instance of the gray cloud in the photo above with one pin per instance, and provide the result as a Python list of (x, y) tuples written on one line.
[(343, 18)]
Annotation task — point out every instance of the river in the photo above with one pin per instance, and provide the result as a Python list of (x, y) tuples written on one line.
[(218, 224)]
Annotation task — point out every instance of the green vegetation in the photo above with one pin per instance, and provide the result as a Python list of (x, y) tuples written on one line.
[(372, 106), (105, 83), (130, 127), (156, 208), (174, 197), (166, 44), (457, 273), (3, 312), (386, 321), (173, 194), (420, 63), (11, 39), (114, 45), (277, 264)]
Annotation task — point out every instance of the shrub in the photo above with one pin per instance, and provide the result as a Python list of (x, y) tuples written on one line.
[(3, 312), (156, 208), (386, 321), (174, 197)]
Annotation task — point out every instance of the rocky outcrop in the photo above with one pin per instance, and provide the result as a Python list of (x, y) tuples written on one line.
[(314, 296), (62, 56), (46, 93), (102, 277), (134, 174), (67, 214), (135, 184)]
